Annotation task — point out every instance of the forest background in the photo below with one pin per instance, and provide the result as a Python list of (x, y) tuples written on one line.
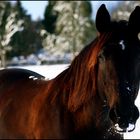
[(66, 27)]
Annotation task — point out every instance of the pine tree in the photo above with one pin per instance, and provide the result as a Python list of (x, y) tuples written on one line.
[(8, 27), (27, 41), (50, 17), (74, 27)]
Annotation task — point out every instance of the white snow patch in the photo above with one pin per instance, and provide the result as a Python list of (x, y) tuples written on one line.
[(49, 71)]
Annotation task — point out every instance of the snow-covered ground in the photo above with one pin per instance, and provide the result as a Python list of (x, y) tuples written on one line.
[(51, 71)]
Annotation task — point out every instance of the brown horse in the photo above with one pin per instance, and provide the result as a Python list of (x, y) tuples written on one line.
[(92, 99)]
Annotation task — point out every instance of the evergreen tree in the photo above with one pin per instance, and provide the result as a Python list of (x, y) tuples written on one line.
[(50, 17), (74, 27), (28, 40), (8, 27)]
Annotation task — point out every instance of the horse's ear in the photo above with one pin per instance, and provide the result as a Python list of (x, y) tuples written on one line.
[(102, 19), (134, 20)]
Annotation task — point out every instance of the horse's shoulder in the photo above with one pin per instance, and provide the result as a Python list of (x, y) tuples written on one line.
[(15, 74)]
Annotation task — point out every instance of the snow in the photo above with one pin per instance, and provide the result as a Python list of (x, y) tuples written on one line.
[(51, 71)]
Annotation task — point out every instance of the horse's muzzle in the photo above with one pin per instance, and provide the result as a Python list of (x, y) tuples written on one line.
[(124, 122)]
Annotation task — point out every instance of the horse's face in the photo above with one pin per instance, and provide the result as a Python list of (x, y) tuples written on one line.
[(123, 50)]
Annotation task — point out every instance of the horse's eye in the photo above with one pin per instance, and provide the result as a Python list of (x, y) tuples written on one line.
[(139, 36)]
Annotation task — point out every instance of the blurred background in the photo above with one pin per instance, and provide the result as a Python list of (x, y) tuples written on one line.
[(45, 36), (50, 32)]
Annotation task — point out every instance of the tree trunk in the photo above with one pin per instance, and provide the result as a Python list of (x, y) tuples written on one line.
[(3, 58)]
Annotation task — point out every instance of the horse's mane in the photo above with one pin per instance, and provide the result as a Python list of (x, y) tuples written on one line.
[(77, 81)]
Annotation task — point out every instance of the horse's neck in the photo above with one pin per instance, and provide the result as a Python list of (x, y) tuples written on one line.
[(77, 84)]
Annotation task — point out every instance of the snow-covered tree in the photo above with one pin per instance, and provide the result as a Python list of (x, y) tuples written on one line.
[(9, 26), (27, 41), (124, 9), (74, 27)]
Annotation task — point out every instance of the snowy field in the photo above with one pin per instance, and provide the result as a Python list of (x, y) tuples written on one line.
[(51, 71)]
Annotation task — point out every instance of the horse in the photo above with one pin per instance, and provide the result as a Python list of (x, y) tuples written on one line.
[(93, 98)]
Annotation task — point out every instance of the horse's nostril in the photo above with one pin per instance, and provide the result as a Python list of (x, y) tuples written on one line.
[(135, 113), (123, 123)]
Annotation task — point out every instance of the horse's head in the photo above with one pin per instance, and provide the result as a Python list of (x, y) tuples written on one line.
[(123, 51)]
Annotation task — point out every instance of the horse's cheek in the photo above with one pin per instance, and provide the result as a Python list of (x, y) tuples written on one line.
[(107, 85), (112, 84)]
